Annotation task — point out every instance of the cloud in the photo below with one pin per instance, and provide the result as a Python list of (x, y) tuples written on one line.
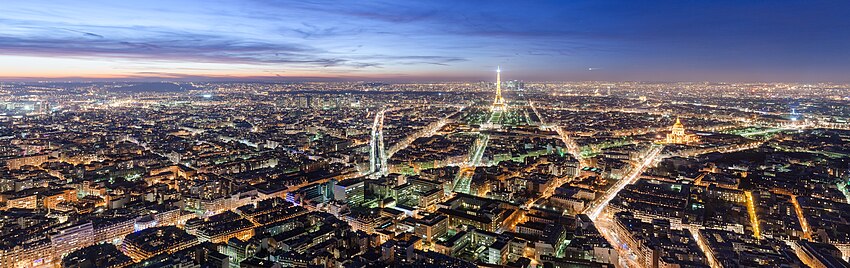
[(378, 37), (93, 35), (169, 46)]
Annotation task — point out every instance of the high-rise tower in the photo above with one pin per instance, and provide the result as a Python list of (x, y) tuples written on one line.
[(499, 102)]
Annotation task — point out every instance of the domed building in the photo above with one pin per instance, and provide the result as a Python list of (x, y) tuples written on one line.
[(677, 134)]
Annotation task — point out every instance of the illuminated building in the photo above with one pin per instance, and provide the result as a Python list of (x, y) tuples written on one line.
[(25, 202), (144, 223), (365, 221), (819, 255), (480, 213), (239, 230), (350, 191), (677, 135), (453, 245), (112, 230), (87, 188), (400, 249), (17, 163), (29, 254), (100, 255), (657, 244), (53, 198), (432, 227), (158, 240), (499, 102), (72, 238), (221, 227)]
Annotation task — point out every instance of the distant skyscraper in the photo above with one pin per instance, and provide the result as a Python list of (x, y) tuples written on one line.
[(499, 102)]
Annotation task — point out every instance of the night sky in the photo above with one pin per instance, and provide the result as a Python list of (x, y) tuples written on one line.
[(794, 41)]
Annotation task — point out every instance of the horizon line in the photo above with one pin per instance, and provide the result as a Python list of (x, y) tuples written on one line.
[(361, 79)]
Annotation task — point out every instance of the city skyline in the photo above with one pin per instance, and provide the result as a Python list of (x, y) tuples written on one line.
[(731, 41), (463, 134)]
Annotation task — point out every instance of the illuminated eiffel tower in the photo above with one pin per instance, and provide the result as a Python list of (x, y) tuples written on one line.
[(499, 102)]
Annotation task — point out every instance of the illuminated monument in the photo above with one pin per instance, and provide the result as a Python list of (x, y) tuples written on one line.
[(499, 102), (677, 134)]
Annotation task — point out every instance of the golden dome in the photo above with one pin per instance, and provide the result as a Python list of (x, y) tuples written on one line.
[(678, 123)]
